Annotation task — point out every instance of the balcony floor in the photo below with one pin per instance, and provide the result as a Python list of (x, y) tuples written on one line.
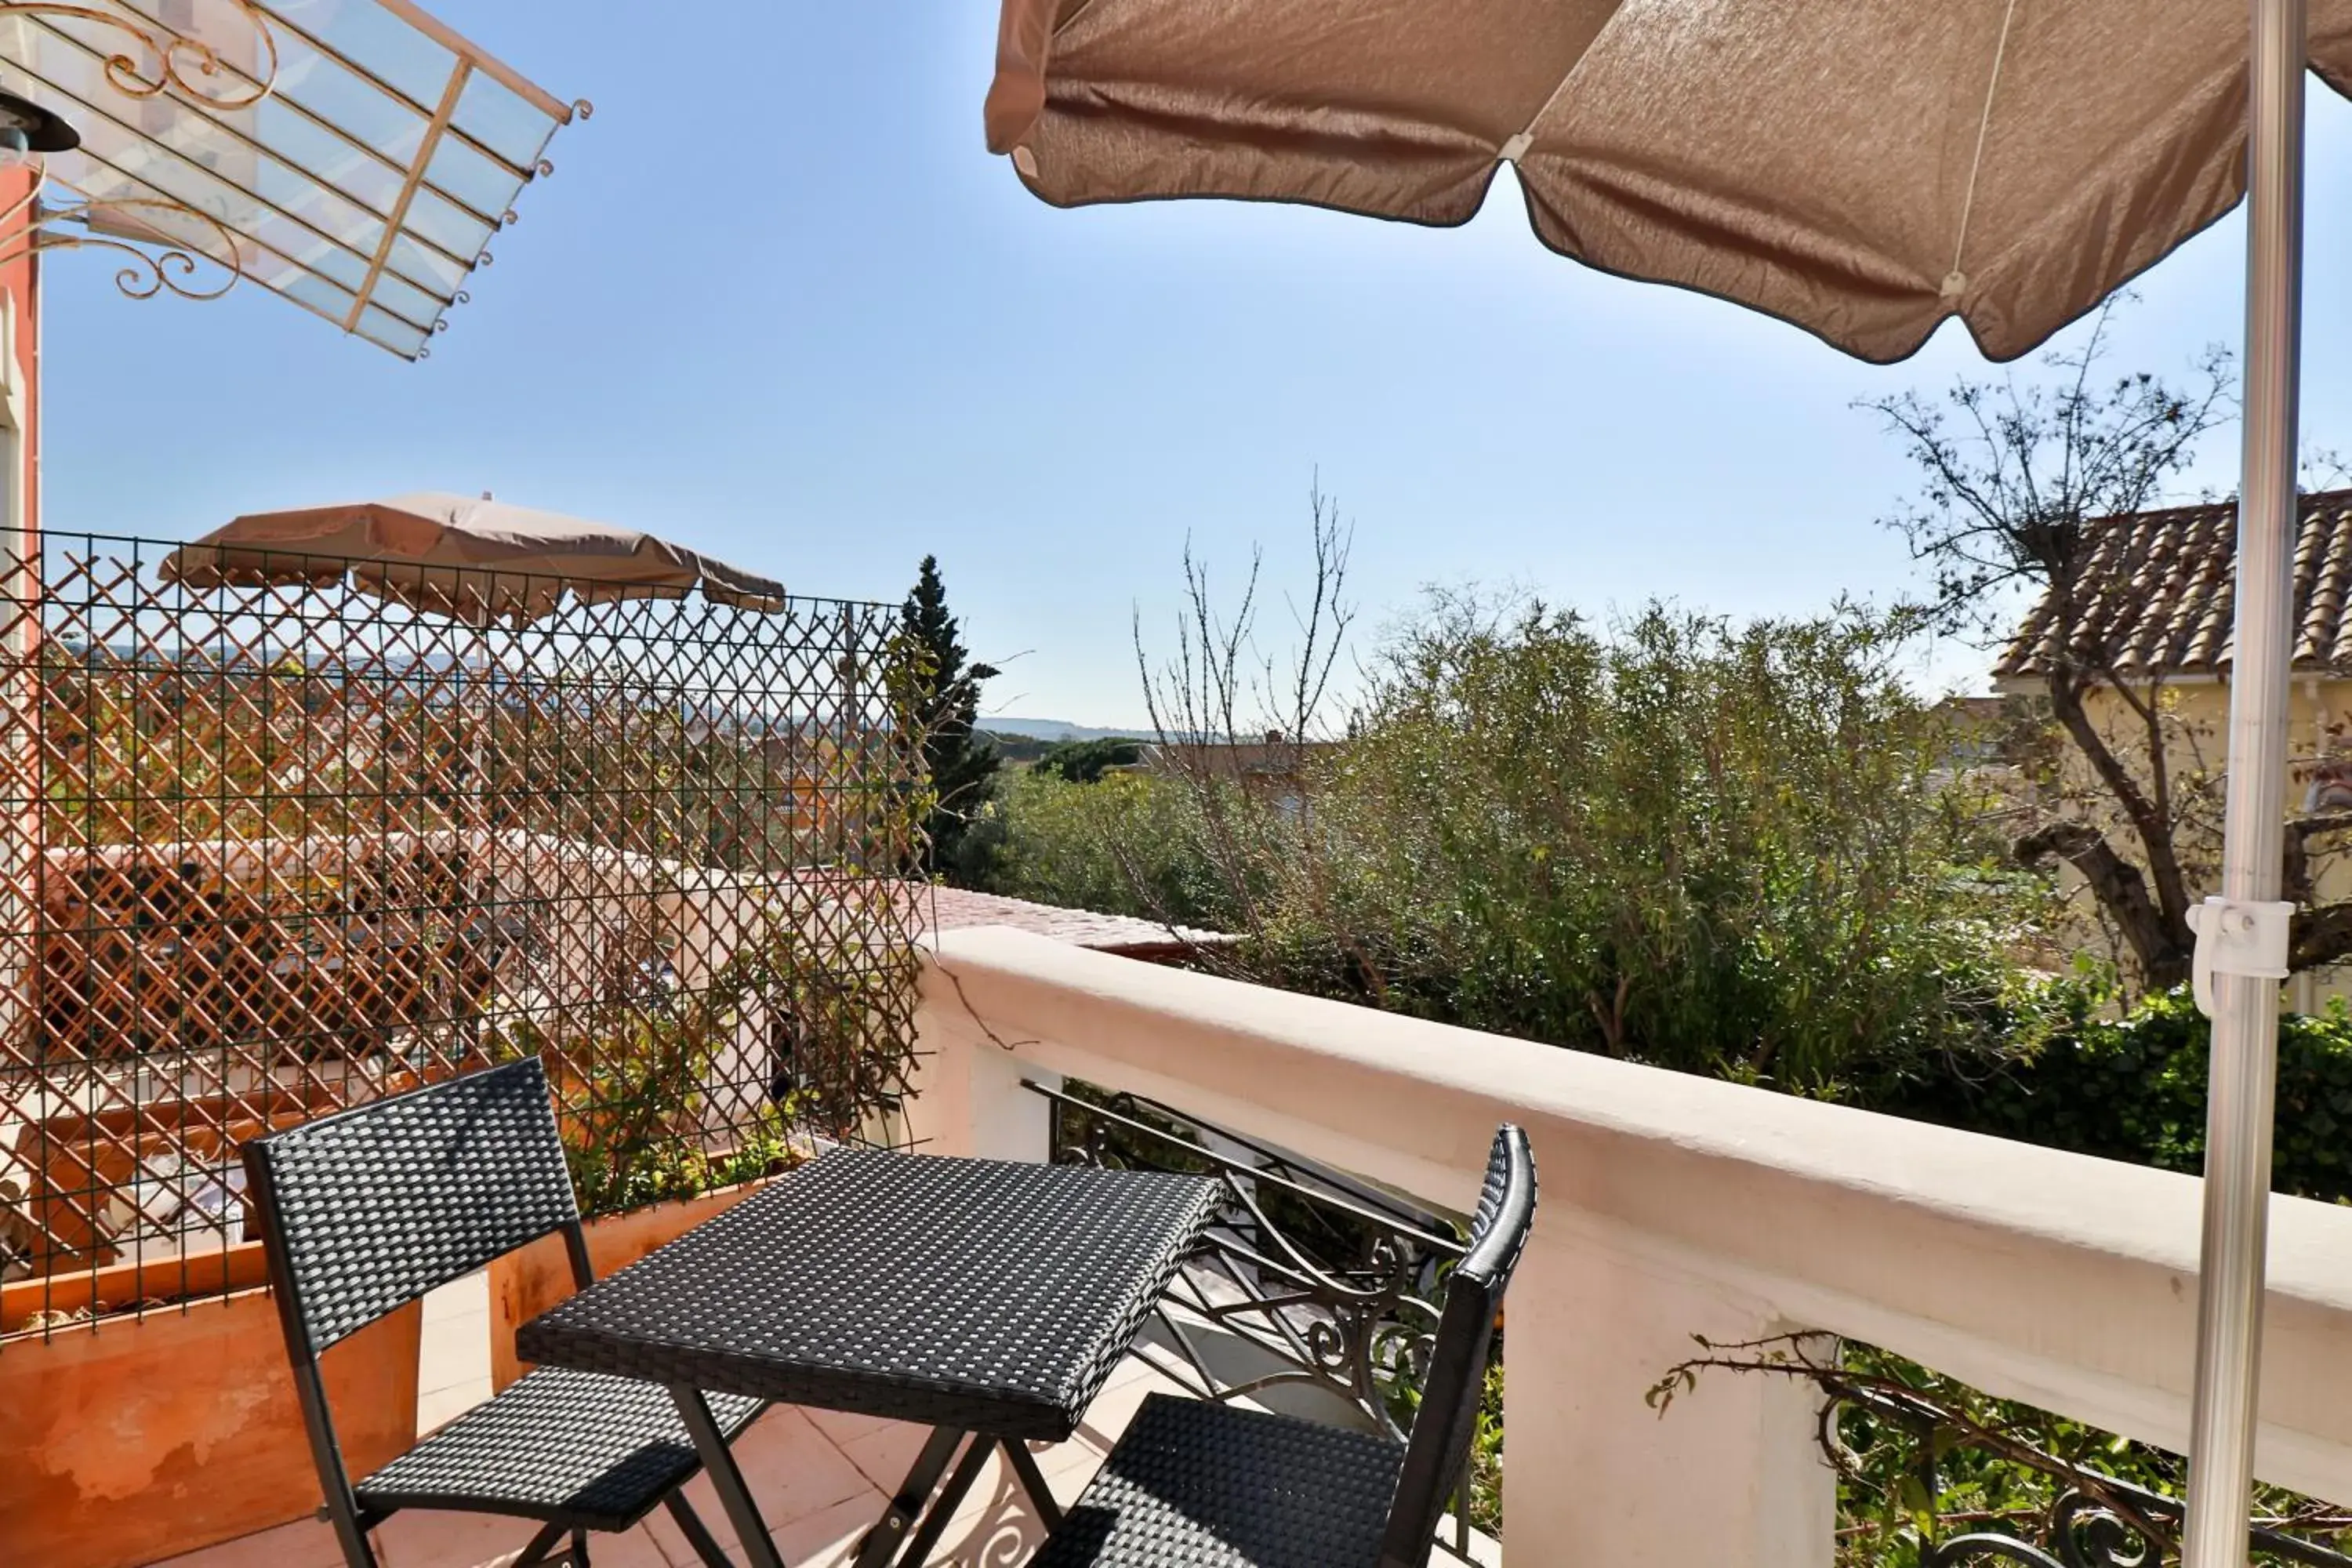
[(821, 1479)]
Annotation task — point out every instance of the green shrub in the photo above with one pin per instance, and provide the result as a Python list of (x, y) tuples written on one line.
[(1127, 844), (1086, 761), (2134, 1087), (1726, 849)]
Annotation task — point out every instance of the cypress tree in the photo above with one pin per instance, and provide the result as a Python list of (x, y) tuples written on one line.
[(963, 766)]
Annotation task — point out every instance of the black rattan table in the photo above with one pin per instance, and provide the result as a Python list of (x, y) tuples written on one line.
[(985, 1298)]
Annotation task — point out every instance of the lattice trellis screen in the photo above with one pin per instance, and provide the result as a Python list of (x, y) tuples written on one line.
[(266, 852)]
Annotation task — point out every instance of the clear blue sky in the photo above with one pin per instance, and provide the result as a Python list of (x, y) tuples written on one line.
[(780, 302)]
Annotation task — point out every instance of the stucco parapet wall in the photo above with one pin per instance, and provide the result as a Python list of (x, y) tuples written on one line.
[(2058, 1278)]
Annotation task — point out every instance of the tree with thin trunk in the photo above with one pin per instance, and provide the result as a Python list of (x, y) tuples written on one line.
[(2018, 479), (1219, 689)]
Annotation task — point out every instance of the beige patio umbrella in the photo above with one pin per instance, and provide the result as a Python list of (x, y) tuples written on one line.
[(1865, 169), (475, 559)]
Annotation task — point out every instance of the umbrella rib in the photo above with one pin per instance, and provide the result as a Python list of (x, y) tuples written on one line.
[(1956, 280), (1511, 151)]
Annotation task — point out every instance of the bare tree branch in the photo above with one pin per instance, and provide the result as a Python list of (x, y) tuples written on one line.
[(2017, 479)]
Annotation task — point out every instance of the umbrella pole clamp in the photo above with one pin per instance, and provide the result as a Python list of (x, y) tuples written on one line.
[(2237, 936)]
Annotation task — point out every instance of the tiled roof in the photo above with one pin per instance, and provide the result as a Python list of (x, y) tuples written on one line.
[(955, 908), (2157, 594)]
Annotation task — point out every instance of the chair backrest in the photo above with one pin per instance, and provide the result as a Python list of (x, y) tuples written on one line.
[(1448, 1416), (364, 1211)]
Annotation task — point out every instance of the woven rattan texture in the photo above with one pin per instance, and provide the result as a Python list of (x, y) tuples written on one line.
[(1499, 1230), (975, 1293), (380, 1205), (572, 1446), (1193, 1485)]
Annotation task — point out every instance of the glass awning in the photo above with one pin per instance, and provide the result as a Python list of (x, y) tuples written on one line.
[(354, 157)]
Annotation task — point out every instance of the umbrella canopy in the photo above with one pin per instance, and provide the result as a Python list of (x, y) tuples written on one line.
[(1865, 170), (1861, 169), (475, 559)]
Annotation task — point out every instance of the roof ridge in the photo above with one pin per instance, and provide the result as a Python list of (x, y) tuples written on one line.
[(2157, 592), (2306, 500)]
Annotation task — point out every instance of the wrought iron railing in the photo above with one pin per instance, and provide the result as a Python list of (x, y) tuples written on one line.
[(1935, 1473), (266, 851), (2098, 1522), (1308, 1280), (2119, 1526)]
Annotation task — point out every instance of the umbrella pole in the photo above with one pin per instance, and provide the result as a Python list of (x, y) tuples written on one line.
[(2244, 1007)]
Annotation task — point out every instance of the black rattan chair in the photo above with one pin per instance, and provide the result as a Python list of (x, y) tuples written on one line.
[(1193, 1483), (365, 1211)]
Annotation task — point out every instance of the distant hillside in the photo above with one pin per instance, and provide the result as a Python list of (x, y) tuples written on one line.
[(1050, 729)]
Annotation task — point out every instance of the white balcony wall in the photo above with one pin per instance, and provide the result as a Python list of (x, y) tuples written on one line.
[(1673, 1206)]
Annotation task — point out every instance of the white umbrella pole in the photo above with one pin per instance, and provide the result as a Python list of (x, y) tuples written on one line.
[(2243, 998)]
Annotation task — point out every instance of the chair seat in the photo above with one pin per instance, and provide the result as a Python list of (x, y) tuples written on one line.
[(578, 1447), (1209, 1485)]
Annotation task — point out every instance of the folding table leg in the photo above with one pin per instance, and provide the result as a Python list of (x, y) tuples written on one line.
[(541, 1547), (881, 1542), (697, 1535), (943, 1507), (718, 1464), (1032, 1481)]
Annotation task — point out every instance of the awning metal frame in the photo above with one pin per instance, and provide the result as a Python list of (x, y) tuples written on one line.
[(360, 282), (165, 47), (30, 223)]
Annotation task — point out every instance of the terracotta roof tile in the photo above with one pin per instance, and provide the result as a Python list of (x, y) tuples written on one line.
[(2157, 594), (955, 908)]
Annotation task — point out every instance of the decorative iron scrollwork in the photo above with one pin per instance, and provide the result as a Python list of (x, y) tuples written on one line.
[(1895, 1432), (2134, 1529), (173, 62), (1334, 1283), (173, 265), (2104, 1522)]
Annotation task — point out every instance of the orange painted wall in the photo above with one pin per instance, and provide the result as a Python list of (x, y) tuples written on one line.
[(21, 280), (113, 1455)]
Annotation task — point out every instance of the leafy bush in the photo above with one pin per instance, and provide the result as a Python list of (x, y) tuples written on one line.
[(1726, 849), (2133, 1088), (1084, 762), (1125, 845), (1700, 845)]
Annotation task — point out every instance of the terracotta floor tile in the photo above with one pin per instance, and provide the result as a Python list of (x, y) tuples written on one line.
[(828, 1538), (666, 1535), (1115, 1405), (1134, 1365), (304, 1544), (1068, 1466), (792, 1471), (884, 1454), (996, 1522), (842, 1428), (431, 1539), (821, 1479), (434, 1539), (791, 1468)]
